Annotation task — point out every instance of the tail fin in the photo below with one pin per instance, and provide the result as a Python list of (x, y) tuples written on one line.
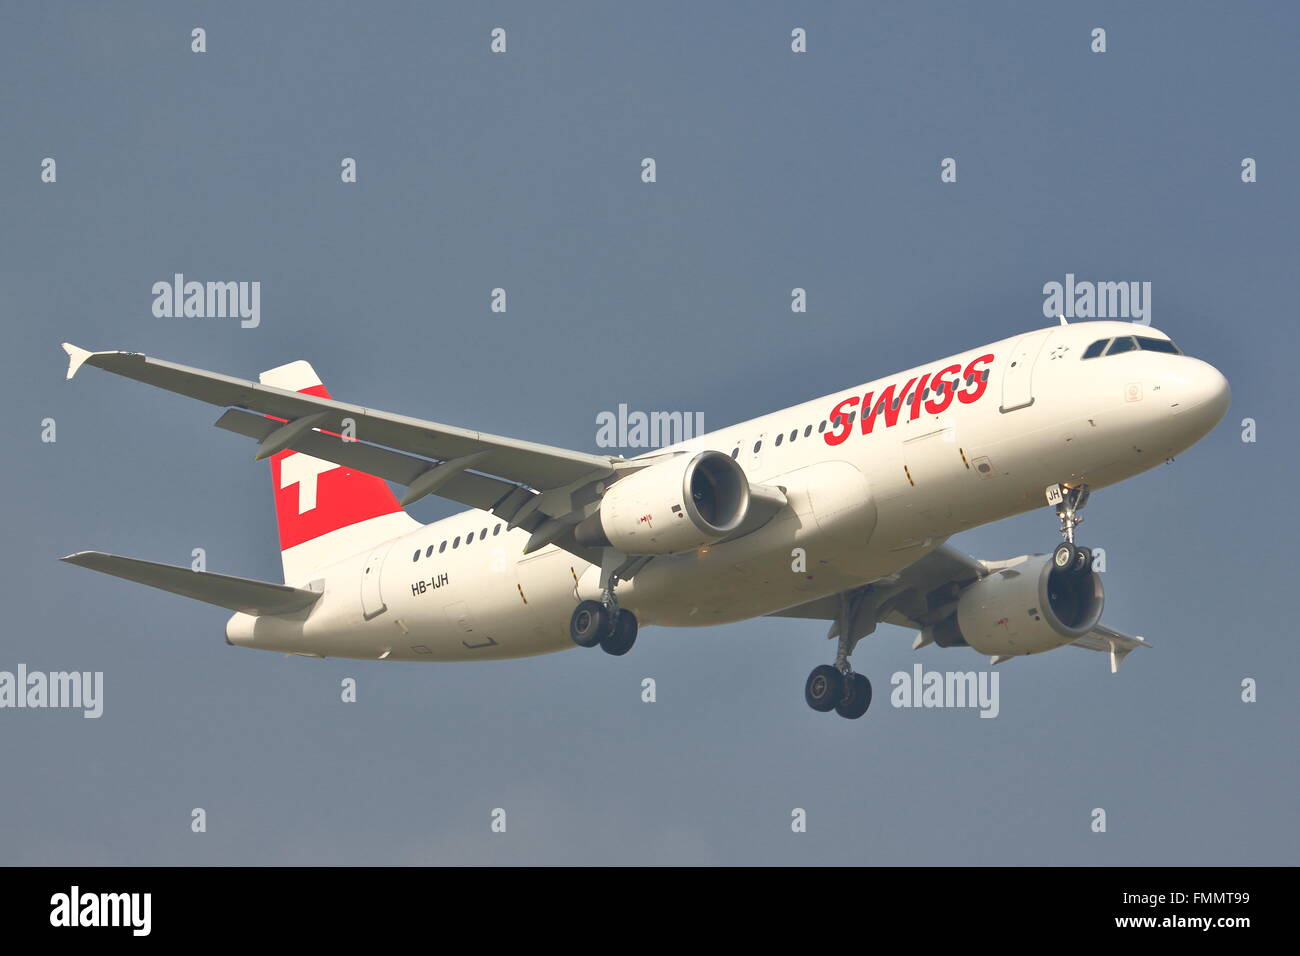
[(325, 512)]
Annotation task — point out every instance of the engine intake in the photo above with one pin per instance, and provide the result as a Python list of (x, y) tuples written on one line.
[(675, 505), (1025, 609)]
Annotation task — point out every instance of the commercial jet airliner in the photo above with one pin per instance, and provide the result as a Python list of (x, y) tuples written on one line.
[(836, 510)]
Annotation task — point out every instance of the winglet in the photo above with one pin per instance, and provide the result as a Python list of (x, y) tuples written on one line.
[(1119, 651), (76, 357)]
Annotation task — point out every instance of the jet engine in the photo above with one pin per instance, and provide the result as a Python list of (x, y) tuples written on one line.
[(676, 505), (1024, 609)]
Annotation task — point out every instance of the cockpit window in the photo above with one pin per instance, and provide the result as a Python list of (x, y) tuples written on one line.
[(1157, 345), (1127, 343)]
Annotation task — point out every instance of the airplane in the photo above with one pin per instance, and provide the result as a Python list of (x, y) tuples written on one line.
[(837, 510)]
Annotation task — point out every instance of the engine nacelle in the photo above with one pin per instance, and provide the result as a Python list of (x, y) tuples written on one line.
[(1027, 608), (677, 505)]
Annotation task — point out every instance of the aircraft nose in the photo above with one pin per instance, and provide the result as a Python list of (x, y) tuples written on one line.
[(1204, 392)]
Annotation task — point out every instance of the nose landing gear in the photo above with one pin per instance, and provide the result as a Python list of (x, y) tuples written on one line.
[(1069, 558)]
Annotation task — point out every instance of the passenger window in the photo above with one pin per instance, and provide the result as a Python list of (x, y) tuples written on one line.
[(1157, 345), (496, 531), (852, 416), (778, 439), (735, 452), (1124, 343), (456, 544), (1095, 349), (757, 445), (821, 426), (482, 534), (442, 547), (417, 555), (807, 431), (794, 434), (469, 538), (429, 552)]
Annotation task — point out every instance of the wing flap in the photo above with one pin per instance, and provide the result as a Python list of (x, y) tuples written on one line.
[(237, 594)]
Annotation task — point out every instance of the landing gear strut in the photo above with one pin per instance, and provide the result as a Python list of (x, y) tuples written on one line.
[(835, 686), (1069, 558), (603, 622)]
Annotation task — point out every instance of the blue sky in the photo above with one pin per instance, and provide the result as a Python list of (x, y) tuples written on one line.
[(522, 171)]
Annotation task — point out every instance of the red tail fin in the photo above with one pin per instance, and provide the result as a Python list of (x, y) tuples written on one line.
[(325, 512)]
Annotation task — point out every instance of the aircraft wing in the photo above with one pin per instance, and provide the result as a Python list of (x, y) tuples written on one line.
[(539, 466), (540, 488), (905, 598), (925, 593)]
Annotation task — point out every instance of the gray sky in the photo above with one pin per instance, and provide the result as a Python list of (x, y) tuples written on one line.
[(521, 170)]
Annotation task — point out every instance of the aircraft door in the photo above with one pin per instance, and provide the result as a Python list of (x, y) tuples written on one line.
[(1017, 375), (372, 596)]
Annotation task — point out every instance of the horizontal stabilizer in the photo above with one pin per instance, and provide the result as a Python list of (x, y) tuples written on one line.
[(237, 594)]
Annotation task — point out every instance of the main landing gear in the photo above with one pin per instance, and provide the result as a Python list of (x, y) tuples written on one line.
[(605, 623), (845, 692), (1069, 558), (835, 686)]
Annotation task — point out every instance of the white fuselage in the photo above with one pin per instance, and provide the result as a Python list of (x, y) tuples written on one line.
[(862, 508)]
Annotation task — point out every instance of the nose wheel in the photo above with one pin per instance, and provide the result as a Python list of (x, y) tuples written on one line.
[(1069, 558)]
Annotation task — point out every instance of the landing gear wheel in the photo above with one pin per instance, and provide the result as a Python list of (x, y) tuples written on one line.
[(857, 697), (621, 636), (589, 623), (824, 689), (1082, 561), (1065, 556)]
